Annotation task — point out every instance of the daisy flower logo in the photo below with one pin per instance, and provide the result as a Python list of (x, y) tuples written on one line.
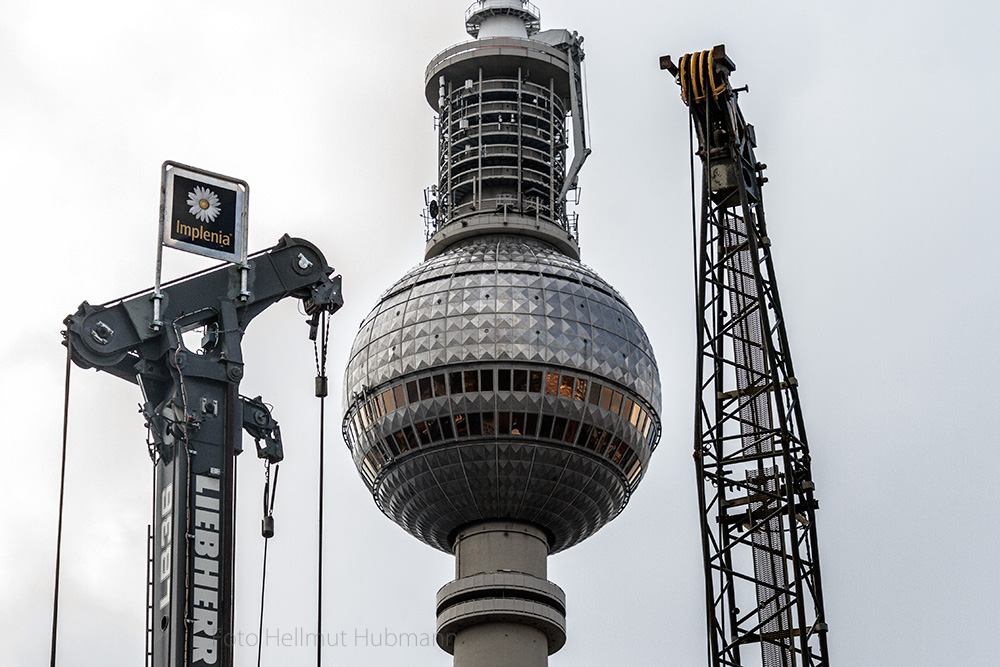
[(204, 204)]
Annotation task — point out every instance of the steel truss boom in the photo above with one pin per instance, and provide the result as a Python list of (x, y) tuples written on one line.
[(755, 491)]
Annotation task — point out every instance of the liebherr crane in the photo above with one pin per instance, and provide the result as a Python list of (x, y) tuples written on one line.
[(755, 487)]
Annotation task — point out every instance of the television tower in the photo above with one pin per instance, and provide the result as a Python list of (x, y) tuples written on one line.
[(501, 400)]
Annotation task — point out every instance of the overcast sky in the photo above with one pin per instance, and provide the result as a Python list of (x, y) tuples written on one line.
[(877, 121)]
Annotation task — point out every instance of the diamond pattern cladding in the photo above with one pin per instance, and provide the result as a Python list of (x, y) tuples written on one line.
[(503, 299)]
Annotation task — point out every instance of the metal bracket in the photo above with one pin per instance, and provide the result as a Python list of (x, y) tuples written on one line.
[(261, 425)]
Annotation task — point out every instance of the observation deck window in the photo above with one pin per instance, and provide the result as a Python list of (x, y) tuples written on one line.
[(520, 380), (435, 430), (605, 438), (440, 388), (425, 388), (607, 394), (475, 424), (595, 439), (634, 474), (571, 428), (506, 379), (531, 424), (461, 426), (471, 381), (546, 429), (619, 451), (369, 470), (411, 437), (388, 400), (605, 443), (486, 379), (503, 423), (401, 441), (559, 427), (517, 423), (636, 415)]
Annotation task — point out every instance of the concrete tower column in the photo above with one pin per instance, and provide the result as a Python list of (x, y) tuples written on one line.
[(502, 26), (501, 611), (502, 18)]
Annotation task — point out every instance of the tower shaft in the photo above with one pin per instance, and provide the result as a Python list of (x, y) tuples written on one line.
[(501, 610)]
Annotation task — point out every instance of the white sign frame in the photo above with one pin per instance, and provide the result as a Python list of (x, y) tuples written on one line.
[(238, 187)]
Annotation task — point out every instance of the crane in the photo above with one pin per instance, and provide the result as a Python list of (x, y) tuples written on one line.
[(756, 495), (195, 416)]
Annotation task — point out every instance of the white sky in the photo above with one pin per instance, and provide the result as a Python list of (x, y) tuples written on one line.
[(876, 120)]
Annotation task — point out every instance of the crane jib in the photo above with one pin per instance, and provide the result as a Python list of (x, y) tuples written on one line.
[(755, 494)]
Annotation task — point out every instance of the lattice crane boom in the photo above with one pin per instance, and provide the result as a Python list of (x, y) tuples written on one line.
[(756, 494)]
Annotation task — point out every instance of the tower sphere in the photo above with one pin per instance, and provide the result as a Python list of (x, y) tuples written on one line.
[(502, 379)]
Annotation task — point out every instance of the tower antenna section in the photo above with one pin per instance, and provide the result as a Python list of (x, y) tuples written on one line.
[(504, 101), (755, 492)]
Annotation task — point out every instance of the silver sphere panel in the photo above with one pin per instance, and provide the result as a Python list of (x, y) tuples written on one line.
[(503, 299), (432, 493), (501, 379)]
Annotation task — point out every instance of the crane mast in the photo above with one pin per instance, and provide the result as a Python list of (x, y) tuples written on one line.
[(195, 416), (755, 492)]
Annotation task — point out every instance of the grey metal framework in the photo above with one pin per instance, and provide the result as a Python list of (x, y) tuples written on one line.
[(756, 494), (195, 417)]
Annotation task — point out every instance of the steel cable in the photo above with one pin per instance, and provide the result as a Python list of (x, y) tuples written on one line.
[(694, 218), (320, 350), (62, 495), (269, 492)]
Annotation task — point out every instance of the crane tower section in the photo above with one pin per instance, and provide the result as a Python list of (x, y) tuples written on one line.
[(756, 493)]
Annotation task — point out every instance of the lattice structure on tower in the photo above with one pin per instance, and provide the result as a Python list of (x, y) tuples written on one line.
[(756, 493)]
